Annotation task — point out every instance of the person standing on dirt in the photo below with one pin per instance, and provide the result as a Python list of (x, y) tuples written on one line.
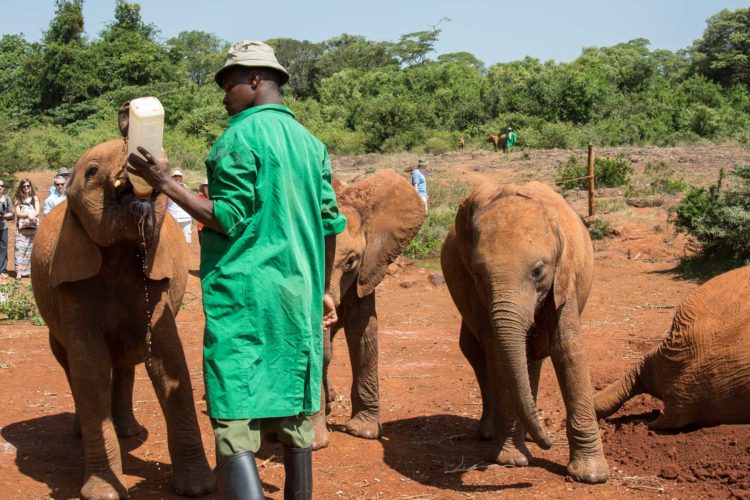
[(419, 181), (510, 139), (6, 215), (267, 250)]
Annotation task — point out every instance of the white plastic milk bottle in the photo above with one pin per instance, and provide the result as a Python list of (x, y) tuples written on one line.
[(145, 129)]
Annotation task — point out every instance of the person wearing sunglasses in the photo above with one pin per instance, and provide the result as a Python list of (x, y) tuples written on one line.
[(6, 214), (57, 196), (26, 205)]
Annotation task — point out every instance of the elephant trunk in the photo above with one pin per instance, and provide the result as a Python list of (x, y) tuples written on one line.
[(510, 329), (609, 400)]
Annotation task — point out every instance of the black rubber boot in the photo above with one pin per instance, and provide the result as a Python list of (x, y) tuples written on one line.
[(238, 478), (298, 466)]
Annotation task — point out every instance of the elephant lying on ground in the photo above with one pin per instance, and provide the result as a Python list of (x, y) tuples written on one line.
[(104, 266), (701, 371), (383, 213), (518, 264)]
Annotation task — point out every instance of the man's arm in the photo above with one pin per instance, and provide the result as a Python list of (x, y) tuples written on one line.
[(329, 307), (154, 171)]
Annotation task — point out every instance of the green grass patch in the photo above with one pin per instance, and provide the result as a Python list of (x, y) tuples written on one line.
[(17, 301)]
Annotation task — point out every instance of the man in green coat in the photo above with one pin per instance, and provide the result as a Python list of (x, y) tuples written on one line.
[(266, 254)]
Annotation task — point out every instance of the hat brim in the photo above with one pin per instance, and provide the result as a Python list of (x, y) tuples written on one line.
[(252, 64)]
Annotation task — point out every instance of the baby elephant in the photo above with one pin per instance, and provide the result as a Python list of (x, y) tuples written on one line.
[(701, 371), (518, 264)]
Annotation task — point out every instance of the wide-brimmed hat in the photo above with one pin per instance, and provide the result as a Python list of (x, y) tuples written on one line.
[(177, 171), (252, 54), (204, 182), (63, 171), (422, 162)]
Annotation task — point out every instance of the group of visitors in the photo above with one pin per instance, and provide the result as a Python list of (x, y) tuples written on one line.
[(25, 208)]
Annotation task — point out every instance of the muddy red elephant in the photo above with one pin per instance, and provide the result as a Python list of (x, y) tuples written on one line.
[(109, 273), (498, 141), (518, 263), (701, 370), (383, 213)]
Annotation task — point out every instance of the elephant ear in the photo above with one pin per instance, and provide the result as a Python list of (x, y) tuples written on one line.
[(123, 119), (392, 213), (570, 261), (473, 203), (76, 257)]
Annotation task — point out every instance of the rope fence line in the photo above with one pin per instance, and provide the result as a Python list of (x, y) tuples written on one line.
[(560, 181)]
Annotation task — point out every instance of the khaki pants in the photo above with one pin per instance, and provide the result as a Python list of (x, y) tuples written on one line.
[(237, 436)]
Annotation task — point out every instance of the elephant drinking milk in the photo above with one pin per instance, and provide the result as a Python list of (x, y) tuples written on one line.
[(105, 265), (383, 213), (518, 264)]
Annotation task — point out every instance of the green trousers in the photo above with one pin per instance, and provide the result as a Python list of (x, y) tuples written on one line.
[(237, 436)]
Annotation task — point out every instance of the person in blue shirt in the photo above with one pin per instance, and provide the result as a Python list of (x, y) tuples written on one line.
[(418, 180), (57, 195)]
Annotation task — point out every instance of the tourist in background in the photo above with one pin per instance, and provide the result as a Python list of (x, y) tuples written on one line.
[(6, 215), (181, 216), (26, 206), (57, 196)]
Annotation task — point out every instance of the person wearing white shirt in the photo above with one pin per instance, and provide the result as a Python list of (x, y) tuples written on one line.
[(57, 196), (181, 216)]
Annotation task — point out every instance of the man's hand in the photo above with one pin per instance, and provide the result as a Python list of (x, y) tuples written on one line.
[(329, 311), (155, 171)]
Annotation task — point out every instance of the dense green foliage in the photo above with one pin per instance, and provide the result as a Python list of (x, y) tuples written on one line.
[(59, 96), (718, 219), (608, 172)]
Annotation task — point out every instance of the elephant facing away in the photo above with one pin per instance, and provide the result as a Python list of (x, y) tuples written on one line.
[(701, 371), (518, 264), (105, 265), (383, 213)]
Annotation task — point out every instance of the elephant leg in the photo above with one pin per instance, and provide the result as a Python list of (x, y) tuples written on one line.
[(587, 463), (122, 402), (320, 427), (90, 382), (166, 366), (361, 329), (58, 350), (472, 350)]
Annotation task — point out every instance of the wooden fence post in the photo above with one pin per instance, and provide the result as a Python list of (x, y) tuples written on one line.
[(591, 180)]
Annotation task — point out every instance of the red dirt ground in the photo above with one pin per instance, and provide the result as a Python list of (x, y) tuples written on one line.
[(429, 398)]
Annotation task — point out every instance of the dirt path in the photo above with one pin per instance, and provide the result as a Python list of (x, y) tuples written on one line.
[(430, 400)]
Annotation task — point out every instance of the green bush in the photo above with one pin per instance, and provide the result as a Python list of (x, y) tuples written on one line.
[(608, 172), (599, 229), (662, 181), (445, 198), (17, 301), (718, 220)]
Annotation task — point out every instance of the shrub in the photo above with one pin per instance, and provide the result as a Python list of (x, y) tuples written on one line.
[(445, 196), (608, 172), (17, 301), (661, 179), (600, 229), (718, 221)]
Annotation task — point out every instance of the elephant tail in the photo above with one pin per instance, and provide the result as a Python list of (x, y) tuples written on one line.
[(609, 400)]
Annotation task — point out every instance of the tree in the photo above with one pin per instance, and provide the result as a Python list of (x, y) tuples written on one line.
[(723, 54), (413, 48), (300, 58), (67, 25), (200, 53), (463, 58)]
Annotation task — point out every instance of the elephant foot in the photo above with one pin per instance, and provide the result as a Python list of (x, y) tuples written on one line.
[(193, 479), (511, 455), (127, 427), (363, 427), (330, 396), (104, 486), (320, 432), (589, 469)]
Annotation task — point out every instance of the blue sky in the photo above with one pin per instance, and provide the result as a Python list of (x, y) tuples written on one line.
[(494, 31)]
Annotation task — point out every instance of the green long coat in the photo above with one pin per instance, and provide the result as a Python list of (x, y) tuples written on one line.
[(270, 182)]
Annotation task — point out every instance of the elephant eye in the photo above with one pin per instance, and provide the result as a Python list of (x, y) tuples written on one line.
[(537, 272), (351, 260), (91, 171)]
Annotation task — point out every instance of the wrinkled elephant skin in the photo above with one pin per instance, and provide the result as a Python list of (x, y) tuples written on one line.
[(383, 213), (518, 264), (103, 264)]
